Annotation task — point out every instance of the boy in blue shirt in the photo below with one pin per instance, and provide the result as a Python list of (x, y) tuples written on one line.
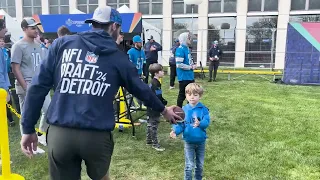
[(197, 120), (137, 55)]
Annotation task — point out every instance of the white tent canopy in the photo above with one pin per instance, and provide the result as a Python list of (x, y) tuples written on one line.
[(148, 29), (76, 11), (13, 26), (124, 9)]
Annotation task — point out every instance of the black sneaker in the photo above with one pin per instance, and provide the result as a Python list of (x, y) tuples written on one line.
[(12, 123), (158, 148), (149, 143), (210, 80)]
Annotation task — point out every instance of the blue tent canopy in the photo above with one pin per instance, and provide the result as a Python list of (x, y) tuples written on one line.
[(131, 22)]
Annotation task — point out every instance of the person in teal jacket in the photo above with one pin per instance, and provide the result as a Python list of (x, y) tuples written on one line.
[(137, 55), (185, 66), (197, 120)]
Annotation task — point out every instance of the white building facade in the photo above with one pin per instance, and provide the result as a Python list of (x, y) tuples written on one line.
[(252, 33)]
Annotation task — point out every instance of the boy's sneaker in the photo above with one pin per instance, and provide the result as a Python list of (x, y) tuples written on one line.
[(149, 144), (42, 140), (171, 87), (158, 148)]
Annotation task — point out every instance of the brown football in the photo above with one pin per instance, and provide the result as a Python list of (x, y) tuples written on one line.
[(179, 111)]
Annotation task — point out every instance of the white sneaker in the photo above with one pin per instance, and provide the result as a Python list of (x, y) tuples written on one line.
[(143, 121), (42, 140), (39, 151), (171, 87)]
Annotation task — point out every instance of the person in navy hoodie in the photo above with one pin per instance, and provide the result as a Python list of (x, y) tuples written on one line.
[(185, 66), (197, 120), (136, 54), (151, 49), (85, 70)]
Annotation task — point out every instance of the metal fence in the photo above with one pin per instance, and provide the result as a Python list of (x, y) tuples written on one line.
[(259, 45)]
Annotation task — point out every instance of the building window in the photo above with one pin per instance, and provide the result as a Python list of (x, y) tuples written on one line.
[(31, 7), (263, 5), (181, 25), (9, 7), (221, 6), (222, 29), (261, 41), (305, 4), (59, 6), (150, 7), (118, 3), (87, 6), (305, 18), (298, 5), (314, 4), (178, 7)]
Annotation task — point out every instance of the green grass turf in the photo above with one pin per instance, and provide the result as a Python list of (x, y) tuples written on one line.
[(259, 130)]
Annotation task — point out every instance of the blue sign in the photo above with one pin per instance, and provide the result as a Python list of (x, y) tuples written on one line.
[(131, 22)]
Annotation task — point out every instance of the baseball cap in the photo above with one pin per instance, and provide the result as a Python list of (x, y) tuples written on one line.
[(29, 22), (105, 15), (136, 39), (151, 37)]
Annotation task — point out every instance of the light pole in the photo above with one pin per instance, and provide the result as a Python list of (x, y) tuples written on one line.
[(192, 3)]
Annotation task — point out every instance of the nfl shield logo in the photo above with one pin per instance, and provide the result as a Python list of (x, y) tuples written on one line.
[(91, 57)]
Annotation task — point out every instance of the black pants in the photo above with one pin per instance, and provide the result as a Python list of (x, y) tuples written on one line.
[(213, 66), (173, 74), (182, 93), (68, 147)]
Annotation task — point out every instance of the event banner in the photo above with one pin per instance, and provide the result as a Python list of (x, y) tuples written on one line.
[(131, 22)]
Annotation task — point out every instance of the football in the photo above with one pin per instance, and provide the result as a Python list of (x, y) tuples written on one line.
[(179, 111)]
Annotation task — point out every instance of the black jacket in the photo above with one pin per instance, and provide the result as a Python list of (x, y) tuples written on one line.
[(155, 86)]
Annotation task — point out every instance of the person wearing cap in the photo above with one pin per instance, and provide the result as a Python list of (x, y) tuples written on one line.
[(86, 71), (151, 49), (214, 55), (136, 54), (185, 66), (25, 59), (172, 63)]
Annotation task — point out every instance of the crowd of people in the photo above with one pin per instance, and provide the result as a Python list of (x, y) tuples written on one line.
[(85, 71)]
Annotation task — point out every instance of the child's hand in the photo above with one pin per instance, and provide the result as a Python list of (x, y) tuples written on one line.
[(196, 122), (173, 134)]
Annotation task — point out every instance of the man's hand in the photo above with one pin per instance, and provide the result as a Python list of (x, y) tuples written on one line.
[(173, 135), (211, 59), (152, 48), (29, 143), (194, 66), (196, 123), (169, 115)]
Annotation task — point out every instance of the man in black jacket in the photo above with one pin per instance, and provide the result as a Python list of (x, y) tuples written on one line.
[(214, 56), (151, 49)]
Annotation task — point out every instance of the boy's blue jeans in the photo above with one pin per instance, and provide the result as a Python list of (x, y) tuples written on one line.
[(194, 157)]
